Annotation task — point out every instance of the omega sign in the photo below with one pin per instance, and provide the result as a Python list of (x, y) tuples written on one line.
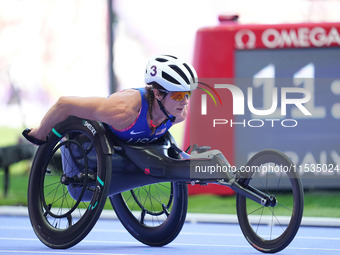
[(286, 38)]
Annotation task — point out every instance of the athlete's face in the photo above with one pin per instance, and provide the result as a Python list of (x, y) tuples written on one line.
[(175, 107)]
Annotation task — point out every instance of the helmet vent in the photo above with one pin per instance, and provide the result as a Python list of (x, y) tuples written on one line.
[(169, 78), (171, 56), (191, 73), (180, 72), (161, 60)]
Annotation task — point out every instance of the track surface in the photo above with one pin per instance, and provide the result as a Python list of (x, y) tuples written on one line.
[(110, 237)]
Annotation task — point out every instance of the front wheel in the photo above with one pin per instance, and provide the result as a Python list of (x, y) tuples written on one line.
[(271, 228)]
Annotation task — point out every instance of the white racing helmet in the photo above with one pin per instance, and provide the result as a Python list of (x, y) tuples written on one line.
[(171, 73)]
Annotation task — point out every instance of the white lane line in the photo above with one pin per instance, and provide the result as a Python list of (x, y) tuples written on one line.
[(66, 252), (172, 244), (186, 233)]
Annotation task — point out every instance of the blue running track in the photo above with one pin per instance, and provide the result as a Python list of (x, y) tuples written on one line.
[(110, 237)]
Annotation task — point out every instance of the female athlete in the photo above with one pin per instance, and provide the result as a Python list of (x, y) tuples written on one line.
[(134, 115)]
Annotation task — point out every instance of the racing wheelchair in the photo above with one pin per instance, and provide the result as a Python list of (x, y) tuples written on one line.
[(83, 164)]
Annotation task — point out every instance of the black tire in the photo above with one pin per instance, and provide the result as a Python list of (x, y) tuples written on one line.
[(64, 205), (271, 229), (153, 214)]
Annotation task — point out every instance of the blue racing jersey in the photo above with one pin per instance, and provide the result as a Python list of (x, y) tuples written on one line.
[(139, 131)]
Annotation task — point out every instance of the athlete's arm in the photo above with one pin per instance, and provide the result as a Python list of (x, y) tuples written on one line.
[(119, 110)]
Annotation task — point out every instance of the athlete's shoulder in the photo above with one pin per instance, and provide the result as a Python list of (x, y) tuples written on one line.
[(121, 108), (127, 97), (127, 92)]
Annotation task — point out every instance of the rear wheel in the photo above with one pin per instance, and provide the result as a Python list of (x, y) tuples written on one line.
[(153, 214)]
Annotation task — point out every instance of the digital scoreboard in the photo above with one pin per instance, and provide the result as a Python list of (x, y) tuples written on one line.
[(287, 96)]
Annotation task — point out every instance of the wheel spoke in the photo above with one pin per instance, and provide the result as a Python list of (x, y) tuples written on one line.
[(154, 200)]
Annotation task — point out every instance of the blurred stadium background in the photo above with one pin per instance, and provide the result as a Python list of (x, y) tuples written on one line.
[(58, 47)]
